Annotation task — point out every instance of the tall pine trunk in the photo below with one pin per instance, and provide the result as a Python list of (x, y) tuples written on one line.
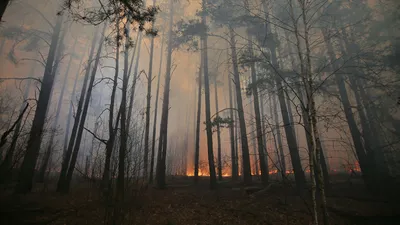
[(61, 185), (219, 165), (153, 145), (112, 130), (68, 125), (243, 133), (291, 139), (84, 113), (198, 119), (148, 98), (27, 169), (234, 166), (278, 137), (211, 165), (162, 146), (355, 132), (256, 104), (46, 160), (124, 125)]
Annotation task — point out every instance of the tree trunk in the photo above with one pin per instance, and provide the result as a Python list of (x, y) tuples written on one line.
[(112, 130), (7, 165), (153, 145), (27, 169), (243, 133), (355, 133), (213, 178), (46, 160), (291, 139), (61, 185), (162, 146), (198, 119), (234, 166), (124, 129), (219, 166), (253, 140), (68, 125), (3, 7), (370, 130), (84, 113), (278, 140), (256, 103), (147, 128), (134, 79)]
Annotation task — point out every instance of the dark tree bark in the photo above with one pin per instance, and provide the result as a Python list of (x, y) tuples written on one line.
[(61, 185), (291, 139), (198, 119), (153, 145), (365, 166), (3, 7), (43, 168), (243, 133), (162, 146), (278, 139), (84, 113), (370, 128), (211, 164), (148, 106), (256, 104), (289, 131), (253, 140), (68, 125), (234, 166), (27, 169), (112, 130), (219, 165), (124, 126), (7, 163)]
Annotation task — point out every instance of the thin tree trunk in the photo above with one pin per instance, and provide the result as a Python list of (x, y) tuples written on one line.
[(134, 79), (46, 160), (27, 169), (3, 7), (162, 146), (213, 178), (198, 119), (112, 130), (254, 143), (355, 133), (256, 104), (291, 139), (280, 155), (243, 133), (234, 166), (147, 128), (68, 125), (155, 114), (7, 164), (219, 166), (84, 113), (61, 185), (124, 129)]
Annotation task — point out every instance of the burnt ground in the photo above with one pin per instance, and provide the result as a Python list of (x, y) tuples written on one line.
[(185, 204)]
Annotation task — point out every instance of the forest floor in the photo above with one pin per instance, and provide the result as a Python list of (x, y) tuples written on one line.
[(185, 204)]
